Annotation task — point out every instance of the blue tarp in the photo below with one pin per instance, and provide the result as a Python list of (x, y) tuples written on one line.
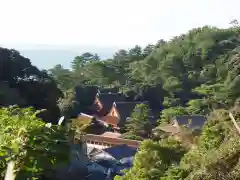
[(127, 161), (107, 163), (97, 176), (121, 151)]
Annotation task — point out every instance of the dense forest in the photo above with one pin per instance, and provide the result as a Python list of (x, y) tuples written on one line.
[(194, 73), (25, 85)]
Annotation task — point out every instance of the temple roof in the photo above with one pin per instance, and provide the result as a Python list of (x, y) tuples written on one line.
[(125, 109), (107, 100), (194, 121)]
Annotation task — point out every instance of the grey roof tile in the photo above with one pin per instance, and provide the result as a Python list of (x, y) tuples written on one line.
[(107, 100), (125, 109), (193, 122)]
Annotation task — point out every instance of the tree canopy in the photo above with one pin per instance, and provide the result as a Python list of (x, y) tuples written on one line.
[(215, 156), (25, 85), (195, 73)]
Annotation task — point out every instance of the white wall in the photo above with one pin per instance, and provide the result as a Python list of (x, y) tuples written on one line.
[(97, 146)]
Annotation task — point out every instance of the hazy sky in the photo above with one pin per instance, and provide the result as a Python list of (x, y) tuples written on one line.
[(108, 22)]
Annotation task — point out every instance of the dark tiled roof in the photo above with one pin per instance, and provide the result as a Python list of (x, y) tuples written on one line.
[(106, 163), (96, 175), (107, 100), (86, 94), (121, 151), (125, 109), (193, 122)]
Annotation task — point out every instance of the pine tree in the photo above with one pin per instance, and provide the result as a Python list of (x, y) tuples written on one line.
[(139, 123)]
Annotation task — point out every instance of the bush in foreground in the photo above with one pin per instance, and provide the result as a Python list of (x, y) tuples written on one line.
[(36, 148)]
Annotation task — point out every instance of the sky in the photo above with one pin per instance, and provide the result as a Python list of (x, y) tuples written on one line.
[(107, 23)]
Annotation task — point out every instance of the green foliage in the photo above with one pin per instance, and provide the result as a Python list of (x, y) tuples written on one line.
[(69, 106), (10, 96), (139, 124), (77, 100), (23, 84), (168, 114), (198, 106), (216, 155), (63, 76), (153, 159), (194, 73), (36, 148), (198, 70), (89, 126)]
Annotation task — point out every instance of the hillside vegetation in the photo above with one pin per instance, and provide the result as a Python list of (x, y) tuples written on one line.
[(216, 155), (198, 70), (36, 149), (194, 73), (25, 85)]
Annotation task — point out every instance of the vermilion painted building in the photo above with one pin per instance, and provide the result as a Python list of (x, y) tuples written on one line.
[(113, 109), (119, 113), (104, 101)]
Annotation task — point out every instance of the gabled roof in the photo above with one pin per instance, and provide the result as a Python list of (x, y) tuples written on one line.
[(82, 91), (193, 122), (107, 100), (121, 151), (125, 109)]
